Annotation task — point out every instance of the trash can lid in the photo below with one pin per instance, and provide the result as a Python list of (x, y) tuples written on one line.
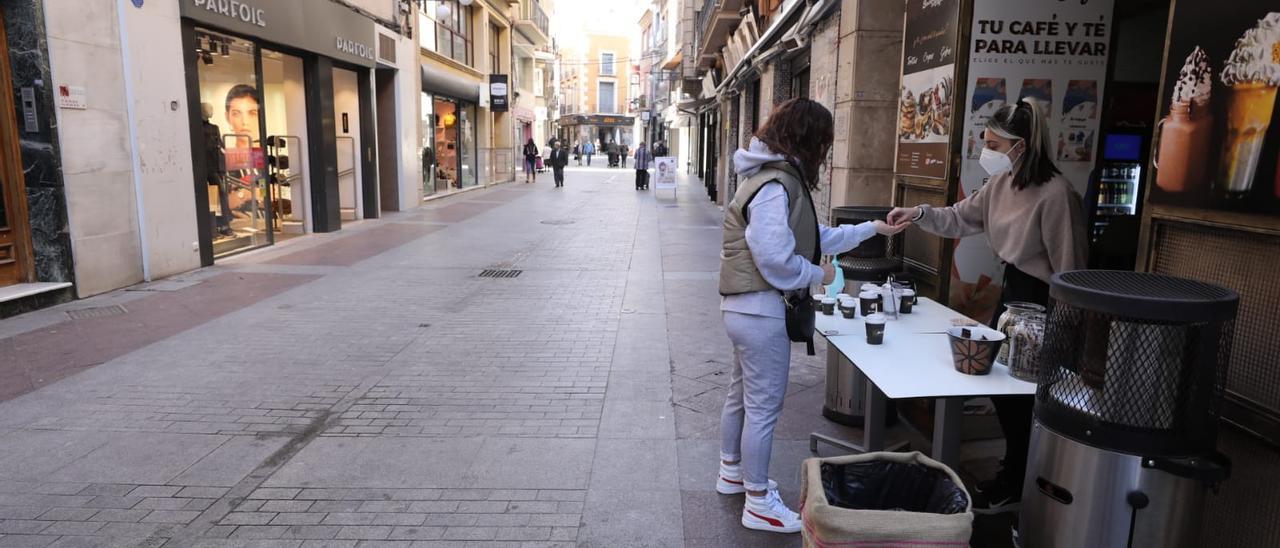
[(1141, 295)]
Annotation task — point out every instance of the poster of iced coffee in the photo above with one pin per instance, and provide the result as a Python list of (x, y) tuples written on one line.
[(1217, 141)]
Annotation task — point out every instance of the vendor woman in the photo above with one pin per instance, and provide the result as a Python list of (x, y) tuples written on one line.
[(772, 240), (1035, 223)]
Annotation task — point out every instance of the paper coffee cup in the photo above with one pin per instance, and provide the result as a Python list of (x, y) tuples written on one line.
[(870, 301), (875, 328), (828, 306), (907, 301)]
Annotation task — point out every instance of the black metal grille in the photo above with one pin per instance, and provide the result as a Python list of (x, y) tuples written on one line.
[(493, 273), (1133, 385)]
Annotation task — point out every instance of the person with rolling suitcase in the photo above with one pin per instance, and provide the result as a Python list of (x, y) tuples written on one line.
[(642, 167)]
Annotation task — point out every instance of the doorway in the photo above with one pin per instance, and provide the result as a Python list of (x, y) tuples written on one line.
[(346, 104), (15, 238), (285, 110), (388, 145)]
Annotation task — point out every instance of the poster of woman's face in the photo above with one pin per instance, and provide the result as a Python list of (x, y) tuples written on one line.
[(242, 113), (1217, 144)]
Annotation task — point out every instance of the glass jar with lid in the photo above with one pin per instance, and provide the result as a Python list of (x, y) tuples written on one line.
[(1012, 311), (1026, 333)]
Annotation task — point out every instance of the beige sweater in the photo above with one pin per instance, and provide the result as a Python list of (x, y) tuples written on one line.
[(1039, 229)]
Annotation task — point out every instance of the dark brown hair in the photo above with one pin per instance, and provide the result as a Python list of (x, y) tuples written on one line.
[(802, 130)]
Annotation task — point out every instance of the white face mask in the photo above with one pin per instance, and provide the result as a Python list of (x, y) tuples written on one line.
[(995, 162)]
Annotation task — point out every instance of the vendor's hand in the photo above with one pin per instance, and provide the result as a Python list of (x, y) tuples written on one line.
[(888, 229), (902, 216), (828, 273)]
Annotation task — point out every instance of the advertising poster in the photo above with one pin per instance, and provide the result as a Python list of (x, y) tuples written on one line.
[(1048, 51), (664, 173), (498, 91), (925, 102), (1218, 136)]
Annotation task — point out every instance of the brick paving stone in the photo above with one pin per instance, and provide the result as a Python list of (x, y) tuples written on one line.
[(286, 506), (27, 541), (367, 532), (120, 515), (22, 526), (248, 518), (156, 503), (202, 492), (416, 533), (155, 491), (171, 516), (74, 528), (297, 518), (24, 512)]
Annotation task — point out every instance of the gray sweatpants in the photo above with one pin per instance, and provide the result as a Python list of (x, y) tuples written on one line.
[(757, 385)]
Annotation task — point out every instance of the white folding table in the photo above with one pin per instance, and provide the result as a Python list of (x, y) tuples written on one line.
[(914, 362)]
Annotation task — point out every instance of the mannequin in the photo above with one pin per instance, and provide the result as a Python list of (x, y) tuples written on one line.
[(215, 168)]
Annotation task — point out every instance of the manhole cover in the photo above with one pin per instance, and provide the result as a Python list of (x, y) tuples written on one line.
[(494, 273), (557, 222), (97, 312)]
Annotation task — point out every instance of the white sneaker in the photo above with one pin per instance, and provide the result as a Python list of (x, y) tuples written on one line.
[(769, 513), (729, 482)]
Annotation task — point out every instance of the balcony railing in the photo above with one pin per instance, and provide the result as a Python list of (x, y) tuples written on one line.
[(531, 11), (704, 20)]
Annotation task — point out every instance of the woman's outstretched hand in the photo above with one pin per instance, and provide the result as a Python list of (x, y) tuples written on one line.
[(888, 229), (902, 216)]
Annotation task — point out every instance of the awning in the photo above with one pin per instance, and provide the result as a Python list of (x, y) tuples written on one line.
[(675, 61), (692, 106), (798, 15), (436, 80)]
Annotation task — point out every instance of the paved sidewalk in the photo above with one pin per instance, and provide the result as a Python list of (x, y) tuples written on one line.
[(369, 388)]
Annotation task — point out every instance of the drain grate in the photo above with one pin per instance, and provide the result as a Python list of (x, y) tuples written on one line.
[(97, 312), (493, 273)]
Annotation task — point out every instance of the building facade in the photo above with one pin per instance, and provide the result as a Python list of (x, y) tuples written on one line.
[(596, 84), (285, 120)]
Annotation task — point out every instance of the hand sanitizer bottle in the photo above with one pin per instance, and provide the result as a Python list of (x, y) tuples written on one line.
[(837, 285)]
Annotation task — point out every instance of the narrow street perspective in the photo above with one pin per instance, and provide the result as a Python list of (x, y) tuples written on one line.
[(556, 381), (639, 273)]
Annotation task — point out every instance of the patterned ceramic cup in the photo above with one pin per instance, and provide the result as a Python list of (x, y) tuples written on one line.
[(974, 349)]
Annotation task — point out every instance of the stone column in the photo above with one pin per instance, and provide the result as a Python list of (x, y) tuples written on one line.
[(869, 54)]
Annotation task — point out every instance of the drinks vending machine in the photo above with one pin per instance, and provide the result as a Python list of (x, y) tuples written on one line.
[(1119, 181)]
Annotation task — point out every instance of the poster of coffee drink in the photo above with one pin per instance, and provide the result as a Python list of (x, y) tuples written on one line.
[(927, 95), (1217, 138)]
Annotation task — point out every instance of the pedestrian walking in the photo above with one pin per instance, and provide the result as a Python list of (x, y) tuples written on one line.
[(1035, 223), (589, 149), (530, 161), (577, 154), (559, 158), (611, 150), (622, 155), (643, 159), (772, 248), (660, 149)]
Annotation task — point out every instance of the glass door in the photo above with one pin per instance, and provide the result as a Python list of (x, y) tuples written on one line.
[(426, 132), (285, 110), (236, 171)]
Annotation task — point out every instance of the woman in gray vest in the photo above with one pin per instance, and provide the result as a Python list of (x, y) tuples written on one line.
[(772, 245)]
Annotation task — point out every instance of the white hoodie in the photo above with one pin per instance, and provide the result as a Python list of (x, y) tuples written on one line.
[(772, 244)]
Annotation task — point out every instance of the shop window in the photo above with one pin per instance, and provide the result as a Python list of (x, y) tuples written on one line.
[(235, 167), (446, 29), (605, 101)]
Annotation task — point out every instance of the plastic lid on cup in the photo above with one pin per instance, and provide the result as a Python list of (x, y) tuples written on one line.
[(908, 292), (844, 296), (870, 287), (828, 300), (869, 294), (876, 318)]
